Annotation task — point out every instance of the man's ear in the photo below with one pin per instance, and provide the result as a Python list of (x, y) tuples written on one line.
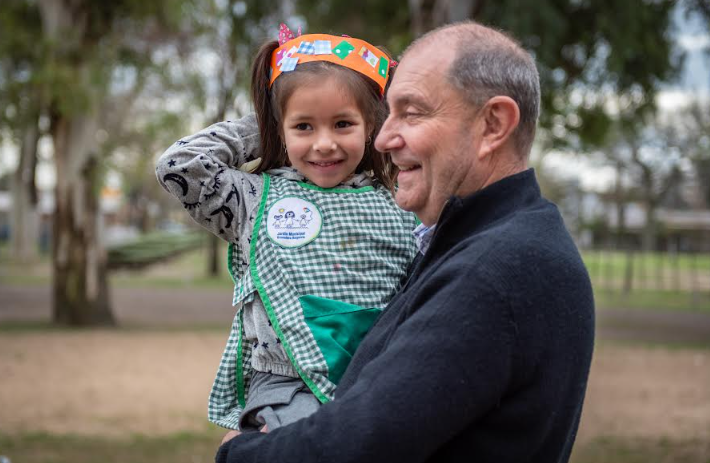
[(499, 116)]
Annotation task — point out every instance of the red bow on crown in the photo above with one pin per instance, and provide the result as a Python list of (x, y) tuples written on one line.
[(285, 34)]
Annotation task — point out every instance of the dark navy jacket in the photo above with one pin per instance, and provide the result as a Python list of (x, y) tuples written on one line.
[(482, 357)]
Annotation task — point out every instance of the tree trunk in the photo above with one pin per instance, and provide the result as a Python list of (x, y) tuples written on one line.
[(226, 98), (80, 284), (649, 235), (25, 213), (628, 272), (620, 199)]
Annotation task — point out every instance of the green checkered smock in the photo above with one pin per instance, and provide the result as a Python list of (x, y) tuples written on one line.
[(321, 297)]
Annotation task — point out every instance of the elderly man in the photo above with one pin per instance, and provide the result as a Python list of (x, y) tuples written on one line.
[(484, 354)]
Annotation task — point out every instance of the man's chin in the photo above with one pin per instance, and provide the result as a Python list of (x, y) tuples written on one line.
[(405, 201)]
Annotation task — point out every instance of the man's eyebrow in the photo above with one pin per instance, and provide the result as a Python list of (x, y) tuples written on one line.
[(405, 99)]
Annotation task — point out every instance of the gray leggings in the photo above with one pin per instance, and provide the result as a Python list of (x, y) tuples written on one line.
[(276, 401)]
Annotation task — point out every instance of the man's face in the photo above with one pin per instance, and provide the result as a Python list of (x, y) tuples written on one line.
[(430, 133)]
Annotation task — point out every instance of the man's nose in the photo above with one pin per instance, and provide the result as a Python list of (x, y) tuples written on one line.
[(387, 139)]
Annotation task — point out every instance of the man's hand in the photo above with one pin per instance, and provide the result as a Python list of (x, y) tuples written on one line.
[(234, 433), (230, 435)]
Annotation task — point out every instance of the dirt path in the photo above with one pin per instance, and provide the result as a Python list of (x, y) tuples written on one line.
[(117, 383), (111, 383), (156, 381)]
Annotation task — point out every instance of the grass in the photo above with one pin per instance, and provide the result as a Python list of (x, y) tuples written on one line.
[(657, 271), (188, 270), (616, 260), (197, 448), (649, 299), (618, 450), (48, 448), (22, 327)]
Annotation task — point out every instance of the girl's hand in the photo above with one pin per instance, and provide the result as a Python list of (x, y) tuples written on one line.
[(265, 429), (230, 435)]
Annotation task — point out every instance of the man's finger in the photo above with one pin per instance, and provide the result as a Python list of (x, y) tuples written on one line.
[(230, 435)]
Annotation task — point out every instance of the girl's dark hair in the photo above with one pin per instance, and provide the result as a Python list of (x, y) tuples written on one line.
[(269, 105)]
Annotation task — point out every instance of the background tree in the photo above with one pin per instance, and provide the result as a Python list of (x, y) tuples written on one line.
[(22, 101), (584, 50), (237, 29), (688, 130), (89, 43)]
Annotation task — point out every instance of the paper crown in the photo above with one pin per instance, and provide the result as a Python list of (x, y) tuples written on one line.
[(349, 52)]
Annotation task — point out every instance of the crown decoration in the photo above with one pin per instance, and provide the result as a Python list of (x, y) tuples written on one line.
[(349, 52)]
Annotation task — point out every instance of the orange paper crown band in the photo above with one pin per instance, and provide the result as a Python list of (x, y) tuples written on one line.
[(355, 54)]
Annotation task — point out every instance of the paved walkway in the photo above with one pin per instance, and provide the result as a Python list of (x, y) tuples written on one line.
[(161, 307)]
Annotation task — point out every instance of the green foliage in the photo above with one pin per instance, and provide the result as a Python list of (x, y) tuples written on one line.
[(380, 23), (588, 49), (584, 49), (20, 58)]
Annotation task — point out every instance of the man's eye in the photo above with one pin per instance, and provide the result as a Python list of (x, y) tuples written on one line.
[(303, 126), (342, 124)]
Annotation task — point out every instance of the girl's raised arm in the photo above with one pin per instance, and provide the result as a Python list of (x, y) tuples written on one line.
[(201, 170)]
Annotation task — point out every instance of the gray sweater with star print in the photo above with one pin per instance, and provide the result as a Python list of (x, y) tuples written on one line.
[(202, 172)]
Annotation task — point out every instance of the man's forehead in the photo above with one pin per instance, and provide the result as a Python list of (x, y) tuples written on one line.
[(421, 71), (423, 63)]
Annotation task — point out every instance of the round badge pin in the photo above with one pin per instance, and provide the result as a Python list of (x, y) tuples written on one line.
[(293, 222)]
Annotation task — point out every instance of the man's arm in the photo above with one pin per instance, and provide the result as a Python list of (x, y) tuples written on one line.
[(445, 366)]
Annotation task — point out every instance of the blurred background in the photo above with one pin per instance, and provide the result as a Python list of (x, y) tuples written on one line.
[(114, 307)]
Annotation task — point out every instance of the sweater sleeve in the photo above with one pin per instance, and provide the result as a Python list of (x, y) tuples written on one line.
[(201, 171), (444, 366)]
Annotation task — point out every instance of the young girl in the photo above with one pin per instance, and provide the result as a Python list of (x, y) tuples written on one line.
[(317, 245)]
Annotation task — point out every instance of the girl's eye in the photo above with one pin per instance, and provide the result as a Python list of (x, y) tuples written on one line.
[(342, 124), (303, 126)]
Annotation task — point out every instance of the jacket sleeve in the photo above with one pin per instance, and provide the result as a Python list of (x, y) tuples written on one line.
[(443, 367), (201, 171)]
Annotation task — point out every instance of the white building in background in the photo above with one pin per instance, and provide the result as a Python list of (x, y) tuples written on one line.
[(112, 229)]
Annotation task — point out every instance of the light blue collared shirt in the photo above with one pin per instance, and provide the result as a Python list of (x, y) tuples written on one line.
[(422, 236)]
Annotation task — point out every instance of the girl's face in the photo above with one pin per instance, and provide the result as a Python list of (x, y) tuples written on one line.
[(324, 132)]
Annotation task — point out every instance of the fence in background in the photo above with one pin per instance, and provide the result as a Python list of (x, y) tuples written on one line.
[(686, 275)]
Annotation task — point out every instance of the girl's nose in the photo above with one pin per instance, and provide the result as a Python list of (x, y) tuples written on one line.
[(324, 143)]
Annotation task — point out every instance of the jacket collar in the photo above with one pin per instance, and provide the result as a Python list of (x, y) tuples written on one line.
[(461, 217)]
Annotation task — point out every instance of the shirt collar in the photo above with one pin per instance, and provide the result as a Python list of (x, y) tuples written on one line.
[(422, 236)]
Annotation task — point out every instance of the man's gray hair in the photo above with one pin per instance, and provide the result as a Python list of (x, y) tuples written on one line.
[(489, 63)]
